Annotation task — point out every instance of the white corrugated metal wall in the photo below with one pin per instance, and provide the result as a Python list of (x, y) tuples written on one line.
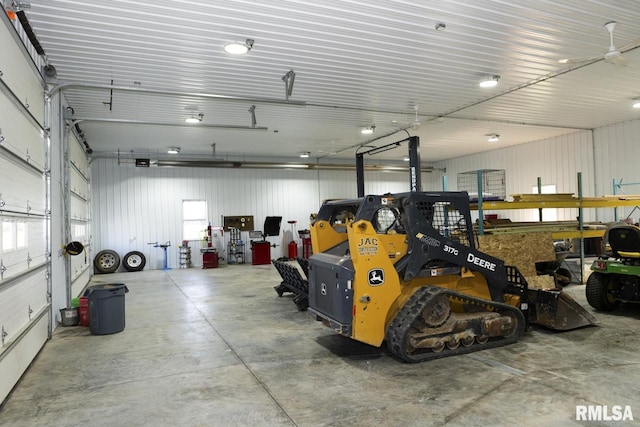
[(556, 161), (617, 153), (135, 206)]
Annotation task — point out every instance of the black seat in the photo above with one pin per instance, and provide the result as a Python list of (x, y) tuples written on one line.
[(624, 240)]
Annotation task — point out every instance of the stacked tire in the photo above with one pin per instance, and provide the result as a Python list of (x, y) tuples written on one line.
[(108, 261)]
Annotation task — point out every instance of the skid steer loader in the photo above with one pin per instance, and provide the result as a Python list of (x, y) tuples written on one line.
[(404, 268)]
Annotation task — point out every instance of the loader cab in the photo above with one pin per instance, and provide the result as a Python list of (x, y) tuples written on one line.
[(329, 228), (388, 220)]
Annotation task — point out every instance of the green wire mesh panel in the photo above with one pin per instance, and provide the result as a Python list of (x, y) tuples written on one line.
[(493, 184)]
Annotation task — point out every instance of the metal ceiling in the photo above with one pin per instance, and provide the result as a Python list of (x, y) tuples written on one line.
[(357, 63)]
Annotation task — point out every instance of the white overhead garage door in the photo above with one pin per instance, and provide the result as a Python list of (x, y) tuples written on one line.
[(24, 217)]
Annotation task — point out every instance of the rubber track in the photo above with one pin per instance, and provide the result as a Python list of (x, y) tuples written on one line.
[(399, 328)]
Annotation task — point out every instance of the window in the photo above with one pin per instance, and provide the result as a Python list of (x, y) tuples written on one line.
[(8, 236), (21, 235), (194, 219), (549, 214), (15, 235)]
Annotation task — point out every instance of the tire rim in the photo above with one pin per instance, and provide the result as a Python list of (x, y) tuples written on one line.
[(107, 261), (134, 260)]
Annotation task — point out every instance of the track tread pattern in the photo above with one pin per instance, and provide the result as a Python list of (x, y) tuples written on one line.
[(398, 330)]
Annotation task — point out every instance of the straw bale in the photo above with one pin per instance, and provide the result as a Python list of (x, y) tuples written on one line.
[(540, 282)]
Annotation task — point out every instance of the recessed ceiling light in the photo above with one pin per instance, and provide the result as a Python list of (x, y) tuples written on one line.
[(239, 48), (305, 154), (494, 137), (174, 150), (636, 103), (194, 118), (490, 82), (368, 131), (406, 159)]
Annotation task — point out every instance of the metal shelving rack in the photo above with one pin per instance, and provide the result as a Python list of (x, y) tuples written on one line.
[(547, 201)]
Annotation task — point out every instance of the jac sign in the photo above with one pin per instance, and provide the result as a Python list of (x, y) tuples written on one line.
[(603, 413)]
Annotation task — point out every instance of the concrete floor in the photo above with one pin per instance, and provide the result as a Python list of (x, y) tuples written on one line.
[(218, 347)]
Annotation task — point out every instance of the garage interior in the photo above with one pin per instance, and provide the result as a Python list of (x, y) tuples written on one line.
[(135, 150)]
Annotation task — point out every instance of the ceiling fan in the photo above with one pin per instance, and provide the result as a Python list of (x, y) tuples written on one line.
[(613, 55), (415, 124)]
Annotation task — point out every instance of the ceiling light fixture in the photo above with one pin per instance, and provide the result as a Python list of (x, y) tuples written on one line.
[(239, 48), (195, 118), (490, 82), (173, 150), (636, 103), (493, 137), (368, 131), (305, 155)]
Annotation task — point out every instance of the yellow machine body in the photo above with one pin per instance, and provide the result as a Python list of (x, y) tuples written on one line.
[(404, 268)]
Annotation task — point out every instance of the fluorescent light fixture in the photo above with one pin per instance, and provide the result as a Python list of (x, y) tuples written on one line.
[(368, 131), (239, 48), (406, 159), (490, 82), (305, 155), (173, 150), (494, 137), (636, 103)]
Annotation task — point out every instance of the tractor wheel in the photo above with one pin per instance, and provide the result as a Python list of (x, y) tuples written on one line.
[(598, 292), (106, 261), (134, 261)]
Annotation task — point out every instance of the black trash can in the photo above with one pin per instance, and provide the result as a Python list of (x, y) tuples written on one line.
[(106, 308)]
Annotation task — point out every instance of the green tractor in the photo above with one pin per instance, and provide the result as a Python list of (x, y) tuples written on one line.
[(615, 276)]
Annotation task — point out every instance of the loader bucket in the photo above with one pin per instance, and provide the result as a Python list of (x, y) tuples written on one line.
[(555, 309)]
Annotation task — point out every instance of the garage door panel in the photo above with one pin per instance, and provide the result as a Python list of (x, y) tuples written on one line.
[(18, 262), (78, 157), (20, 299), (79, 209), (21, 190), (20, 135), (19, 75), (16, 357), (79, 185), (22, 244), (25, 302), (79, 267)]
